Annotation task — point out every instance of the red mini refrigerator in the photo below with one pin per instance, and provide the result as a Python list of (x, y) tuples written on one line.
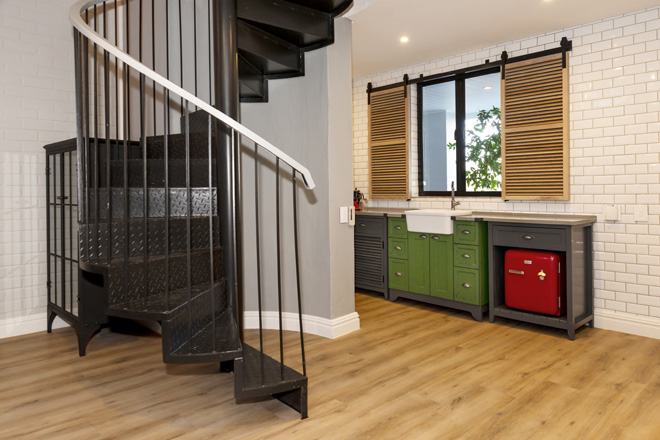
[(533, 281)]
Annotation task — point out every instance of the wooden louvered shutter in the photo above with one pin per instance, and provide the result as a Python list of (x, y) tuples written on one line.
[(535, 130), (388, 144)]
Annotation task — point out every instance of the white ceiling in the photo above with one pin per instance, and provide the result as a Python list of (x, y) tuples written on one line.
[(441, 28)]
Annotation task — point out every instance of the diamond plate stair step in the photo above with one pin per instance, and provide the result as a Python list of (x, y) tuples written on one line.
[(158, 307), (158, 242), (199, 173), (178, 201), (257, 375), (202, 345), (176, 148)]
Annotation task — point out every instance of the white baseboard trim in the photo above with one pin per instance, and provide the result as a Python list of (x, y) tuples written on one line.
[(27, 324), (328, 328), (626, 323)]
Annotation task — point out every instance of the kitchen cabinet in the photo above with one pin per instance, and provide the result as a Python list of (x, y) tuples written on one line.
[(423, 267), (371, 249)]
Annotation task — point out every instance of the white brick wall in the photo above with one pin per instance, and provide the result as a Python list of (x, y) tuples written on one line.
[(37, 105), (615, 154)]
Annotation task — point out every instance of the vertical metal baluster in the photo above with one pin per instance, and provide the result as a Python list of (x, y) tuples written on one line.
[(63, 231), (79, 152), (236, 224), (108, 170), (153, 57), (166, 185), (49, 232), (55, 205), (194, 2), (212, 273), (181, 52), (279, 265), (145, 196), (86, 169), (258, 243), (96, 143), (71, 231), (210, 54), (186, 134), (127, 135), (295, 249), (116, 83)]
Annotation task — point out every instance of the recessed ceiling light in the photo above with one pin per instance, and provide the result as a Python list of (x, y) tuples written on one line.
[(487, 87), (404, 39)]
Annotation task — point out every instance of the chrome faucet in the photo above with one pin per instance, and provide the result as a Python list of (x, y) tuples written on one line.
[(454, 203)]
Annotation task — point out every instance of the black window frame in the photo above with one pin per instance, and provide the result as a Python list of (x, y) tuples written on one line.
[(458, 78)]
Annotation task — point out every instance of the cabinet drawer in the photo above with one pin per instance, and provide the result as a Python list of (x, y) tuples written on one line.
[(466, 256), (552, 239), (467, 287), (398, 248), (397, 228), (374, 226), (466, 232), (398, 273)]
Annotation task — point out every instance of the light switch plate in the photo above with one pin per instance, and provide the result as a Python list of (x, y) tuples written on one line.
[(343, 214), (612, 213), (641, 213), (351, 215)]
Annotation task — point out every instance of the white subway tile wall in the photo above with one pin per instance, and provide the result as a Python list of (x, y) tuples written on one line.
[(38, 107), (615, 150)]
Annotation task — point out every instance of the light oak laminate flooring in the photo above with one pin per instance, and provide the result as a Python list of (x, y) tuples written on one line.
[(411, 371)]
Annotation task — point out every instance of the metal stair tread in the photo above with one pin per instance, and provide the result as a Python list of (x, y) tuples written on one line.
[(204, 345), (275, 374), (158, 306), (117, 261)]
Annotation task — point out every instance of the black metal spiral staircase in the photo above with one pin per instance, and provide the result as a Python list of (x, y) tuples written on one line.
[(159, 182)]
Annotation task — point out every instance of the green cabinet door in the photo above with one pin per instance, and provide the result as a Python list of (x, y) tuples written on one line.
[(398, 272), (441, 266), (418, 262)]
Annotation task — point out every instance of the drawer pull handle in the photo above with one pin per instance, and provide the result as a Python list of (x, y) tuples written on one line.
[(466, 256), (399, 274), (398, 227), (423, 236), (466, 285), (528, 237), (62, 197), (435, 237), (516, 272), (363, 225), (398, 248), (466, 232)]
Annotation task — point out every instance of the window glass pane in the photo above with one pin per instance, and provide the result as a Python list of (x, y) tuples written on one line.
[(482, 133), (438, 126)]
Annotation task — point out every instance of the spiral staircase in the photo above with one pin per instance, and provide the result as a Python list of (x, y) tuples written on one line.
[(158, 85)]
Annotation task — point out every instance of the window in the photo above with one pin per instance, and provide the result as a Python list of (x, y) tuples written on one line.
[(459, 135)]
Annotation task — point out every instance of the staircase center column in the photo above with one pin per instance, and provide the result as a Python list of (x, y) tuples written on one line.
[(227, 101)]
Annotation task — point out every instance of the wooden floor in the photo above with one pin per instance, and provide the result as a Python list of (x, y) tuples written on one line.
[(411, 372)]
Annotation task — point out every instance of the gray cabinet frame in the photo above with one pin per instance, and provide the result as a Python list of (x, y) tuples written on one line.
[(371, 254)]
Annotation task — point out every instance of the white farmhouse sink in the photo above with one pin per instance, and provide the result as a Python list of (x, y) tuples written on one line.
[(433, 221)]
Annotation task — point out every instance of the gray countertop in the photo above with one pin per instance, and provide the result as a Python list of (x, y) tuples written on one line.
[(382, 212), (498, 216), (522, 217)]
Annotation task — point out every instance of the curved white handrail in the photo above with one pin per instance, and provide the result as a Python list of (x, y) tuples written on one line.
[(75, 16)]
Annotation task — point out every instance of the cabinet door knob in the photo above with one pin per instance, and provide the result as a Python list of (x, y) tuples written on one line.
[(528, 237), (397, 227), (466, 232), (466, 256), (466, 285), (362, 225), (399, 274), (398, 248), (423, 236)]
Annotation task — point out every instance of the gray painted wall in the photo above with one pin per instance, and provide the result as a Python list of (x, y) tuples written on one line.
[(310, 119)]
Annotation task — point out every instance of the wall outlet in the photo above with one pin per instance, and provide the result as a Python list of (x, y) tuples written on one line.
[(641, 213), (612, 213), (343, 214)]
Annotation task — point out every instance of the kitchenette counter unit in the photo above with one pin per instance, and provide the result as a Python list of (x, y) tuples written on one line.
[(528, 218)]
